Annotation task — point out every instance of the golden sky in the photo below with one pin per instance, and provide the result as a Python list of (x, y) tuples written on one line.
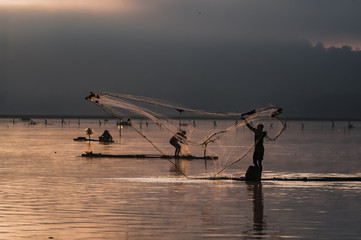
[(70, 5)]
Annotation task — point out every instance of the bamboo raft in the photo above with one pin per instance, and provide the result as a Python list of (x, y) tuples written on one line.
[(147, 156), (298, 179)]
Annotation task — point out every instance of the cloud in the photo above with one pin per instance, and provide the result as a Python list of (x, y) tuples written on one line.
[(215, 77)]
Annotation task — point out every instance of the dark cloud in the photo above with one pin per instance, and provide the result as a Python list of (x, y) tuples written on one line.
[(213, 55)]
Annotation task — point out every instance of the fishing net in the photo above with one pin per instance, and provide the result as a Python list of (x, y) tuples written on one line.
[(221, 137)]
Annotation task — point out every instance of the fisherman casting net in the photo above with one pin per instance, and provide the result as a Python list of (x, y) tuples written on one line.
[(222, 137)]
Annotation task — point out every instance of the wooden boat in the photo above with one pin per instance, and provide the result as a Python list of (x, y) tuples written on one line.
[(84, 139), (140, 156), (124, 123)]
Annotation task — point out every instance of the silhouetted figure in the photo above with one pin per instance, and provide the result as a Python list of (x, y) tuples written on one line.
[(259, 135), (176, 140), (106, 137)]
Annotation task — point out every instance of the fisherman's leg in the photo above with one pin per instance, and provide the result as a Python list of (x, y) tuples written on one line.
[(260, 167), (177, 150), (255, 163), (260, 162)]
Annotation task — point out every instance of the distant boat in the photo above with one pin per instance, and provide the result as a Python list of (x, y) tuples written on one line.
[(84, 139), (32, 122), (25, 119), (124, 123)]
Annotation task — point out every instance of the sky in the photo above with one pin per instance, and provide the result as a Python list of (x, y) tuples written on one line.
[(216, 55)]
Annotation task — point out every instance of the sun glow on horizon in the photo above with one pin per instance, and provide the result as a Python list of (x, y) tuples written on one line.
[(71, 5)]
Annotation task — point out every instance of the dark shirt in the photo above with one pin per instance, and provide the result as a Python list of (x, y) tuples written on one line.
[(175, 140)]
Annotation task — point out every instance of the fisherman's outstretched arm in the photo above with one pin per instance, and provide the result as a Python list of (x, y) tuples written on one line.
[(249, 125)]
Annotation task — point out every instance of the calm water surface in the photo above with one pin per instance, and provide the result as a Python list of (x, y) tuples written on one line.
[(47, 191)]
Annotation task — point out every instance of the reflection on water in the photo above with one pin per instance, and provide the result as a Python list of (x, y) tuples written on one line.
[(258, 220), (48, 191), (180, 166)]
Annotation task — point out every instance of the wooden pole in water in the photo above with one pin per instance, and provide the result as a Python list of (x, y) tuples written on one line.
[(120, 130)]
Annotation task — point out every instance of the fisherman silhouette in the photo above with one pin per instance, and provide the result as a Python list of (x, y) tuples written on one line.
[(176, 140), (106, 137), (258, 153)]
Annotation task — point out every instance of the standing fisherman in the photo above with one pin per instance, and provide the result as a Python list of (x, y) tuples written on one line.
[(176, 140), (259, 135)]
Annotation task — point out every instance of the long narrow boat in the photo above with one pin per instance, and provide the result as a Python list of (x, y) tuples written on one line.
[(83, 139), (189, 157), (297, 179)]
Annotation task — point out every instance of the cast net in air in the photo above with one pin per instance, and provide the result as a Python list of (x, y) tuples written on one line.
[(222, 138)]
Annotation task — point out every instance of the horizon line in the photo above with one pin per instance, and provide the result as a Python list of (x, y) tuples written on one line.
[(99, 116)]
